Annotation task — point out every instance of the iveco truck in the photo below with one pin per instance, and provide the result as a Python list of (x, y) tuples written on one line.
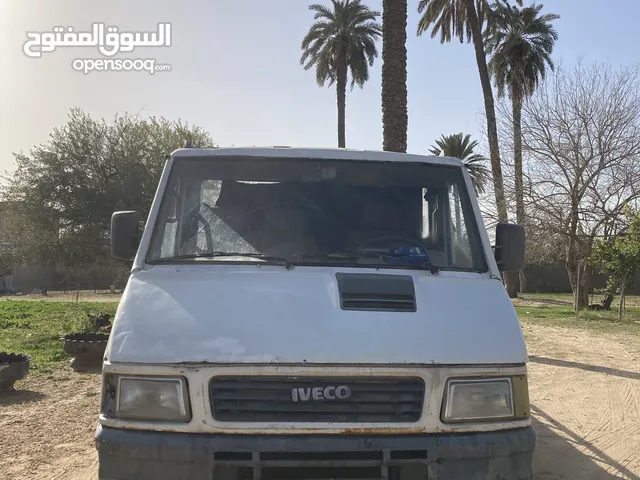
[(314, 314)]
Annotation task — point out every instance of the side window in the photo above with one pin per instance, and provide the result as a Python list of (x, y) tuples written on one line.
[(167, 249), (431, 221), (426, 224), (210, 191), (460, 246)]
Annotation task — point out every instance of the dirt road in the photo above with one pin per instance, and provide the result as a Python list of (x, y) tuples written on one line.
[(585, 395), (585, 399)]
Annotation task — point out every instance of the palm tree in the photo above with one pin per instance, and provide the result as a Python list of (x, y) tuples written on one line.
[(341, 40), (395, 118), (464, 19), (460, 146), (520, 41)]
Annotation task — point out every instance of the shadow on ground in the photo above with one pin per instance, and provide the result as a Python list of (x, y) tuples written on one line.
[(20, 396), (585, 366), (558, 457), (545, 301)]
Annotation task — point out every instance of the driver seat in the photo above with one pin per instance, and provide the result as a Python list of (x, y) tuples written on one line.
[(283, 233)]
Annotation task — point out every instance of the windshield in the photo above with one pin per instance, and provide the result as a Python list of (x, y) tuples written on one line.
[(317, 212)]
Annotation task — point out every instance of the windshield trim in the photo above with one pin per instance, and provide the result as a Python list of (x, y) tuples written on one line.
[(473, 228), (258, 262)]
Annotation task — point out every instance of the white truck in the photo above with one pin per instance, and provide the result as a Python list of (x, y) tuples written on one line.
[(317, 314)]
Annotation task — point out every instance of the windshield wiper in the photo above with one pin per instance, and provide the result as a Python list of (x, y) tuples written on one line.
[(398, 259), (267, 258)]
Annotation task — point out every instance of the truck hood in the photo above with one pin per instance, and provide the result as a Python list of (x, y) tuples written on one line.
[(267, 314)]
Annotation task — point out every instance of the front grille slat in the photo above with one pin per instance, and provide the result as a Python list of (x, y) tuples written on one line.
[(369, 397), (262, 385), (251, 417), (327, 465), (252, 406), (271, 399)]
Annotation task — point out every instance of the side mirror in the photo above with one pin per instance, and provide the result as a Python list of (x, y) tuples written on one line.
[(124, 235), (509, 249)]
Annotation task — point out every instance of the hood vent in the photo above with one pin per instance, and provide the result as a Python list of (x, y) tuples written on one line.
[(376, 292)]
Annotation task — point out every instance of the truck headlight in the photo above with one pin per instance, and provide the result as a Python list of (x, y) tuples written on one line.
[(486, 399), (152, 399)]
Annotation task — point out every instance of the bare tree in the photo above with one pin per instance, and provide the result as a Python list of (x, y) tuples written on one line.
[(581, 137)]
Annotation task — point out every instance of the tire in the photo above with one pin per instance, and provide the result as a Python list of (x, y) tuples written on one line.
[(91, 344), (13, 367)]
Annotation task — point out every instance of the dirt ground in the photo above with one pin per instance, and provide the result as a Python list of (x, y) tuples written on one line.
[(70, 296), (585, 400), (585, 396)]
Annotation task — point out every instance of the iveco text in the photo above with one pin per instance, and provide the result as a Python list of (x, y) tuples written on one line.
[(341, 392), (314, 313)]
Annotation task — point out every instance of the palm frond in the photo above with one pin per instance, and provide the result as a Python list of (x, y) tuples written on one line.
[(344, 33), (449, 18), (520, 41), (462, 147)]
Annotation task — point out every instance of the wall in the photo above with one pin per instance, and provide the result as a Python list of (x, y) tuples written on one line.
[(540, 278), (26, 279), (555, 279)]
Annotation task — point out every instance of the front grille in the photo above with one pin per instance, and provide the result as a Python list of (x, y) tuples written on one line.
[(361, 465), (304, 399)]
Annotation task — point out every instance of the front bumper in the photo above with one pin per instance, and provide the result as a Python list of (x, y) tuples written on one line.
[(148, 455)]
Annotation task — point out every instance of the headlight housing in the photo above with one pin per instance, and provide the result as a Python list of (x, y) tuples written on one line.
[(131, 397), (485, 399)]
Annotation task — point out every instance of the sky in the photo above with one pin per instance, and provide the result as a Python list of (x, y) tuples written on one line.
[(235, 71)]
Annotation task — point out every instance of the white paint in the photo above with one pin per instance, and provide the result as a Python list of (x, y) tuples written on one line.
[(257, 313), (206, 319), (203, 422), (317, 153), (254, 314)]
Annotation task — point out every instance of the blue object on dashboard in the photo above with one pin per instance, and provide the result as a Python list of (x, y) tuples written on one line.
[(407, 254)]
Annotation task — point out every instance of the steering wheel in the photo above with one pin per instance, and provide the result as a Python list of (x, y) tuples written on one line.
[(395, 239), (195, 219)]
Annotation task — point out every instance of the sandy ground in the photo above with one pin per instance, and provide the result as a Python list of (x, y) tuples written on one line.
[(585, 395), (585, 400)]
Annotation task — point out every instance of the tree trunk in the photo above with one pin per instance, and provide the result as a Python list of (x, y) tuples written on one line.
[(511, 283), (490, 111), (572, 253), (341, 94), (621, 304), (456, 200), (395, 118), (516, 104), (580, 279), (524, 288), (572, 271), (587, 284), (517, 159)]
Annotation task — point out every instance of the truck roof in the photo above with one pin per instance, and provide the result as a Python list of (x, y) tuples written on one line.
[(316, 153)]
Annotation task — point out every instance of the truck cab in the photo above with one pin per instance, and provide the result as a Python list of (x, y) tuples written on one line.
[(314, 313)]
